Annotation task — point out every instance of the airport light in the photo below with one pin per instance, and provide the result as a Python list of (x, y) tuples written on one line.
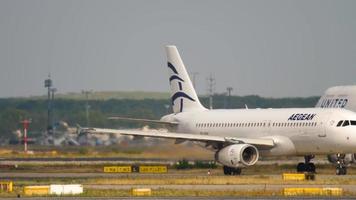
[(48, 84), (211, 85), (195, 74), (53, 90), (26, 124), (87, 106), (229, 91)]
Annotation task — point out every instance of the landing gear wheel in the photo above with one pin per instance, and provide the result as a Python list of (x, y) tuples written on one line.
[(341, 170), (301, 167), (231, 171), (311, 168), (237, 171), (227, 170), (306, 167)]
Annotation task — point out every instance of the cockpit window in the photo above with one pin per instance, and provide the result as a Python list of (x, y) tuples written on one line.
[(353, 123), (339, 123), (346, 123)]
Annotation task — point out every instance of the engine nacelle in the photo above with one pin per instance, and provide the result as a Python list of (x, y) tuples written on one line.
[(347, 158), (237, 155)]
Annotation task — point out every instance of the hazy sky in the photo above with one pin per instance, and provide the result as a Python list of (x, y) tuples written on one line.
[(269, 48)]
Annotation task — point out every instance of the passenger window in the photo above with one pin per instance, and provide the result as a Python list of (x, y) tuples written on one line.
[(339, 123), (346, 123), (353, 123)]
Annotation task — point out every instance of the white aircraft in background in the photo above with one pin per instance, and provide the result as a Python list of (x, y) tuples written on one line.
[(343, 97), (240, 136), (339, 97)]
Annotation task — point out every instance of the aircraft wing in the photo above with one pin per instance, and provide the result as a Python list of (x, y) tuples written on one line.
[(181, 137)]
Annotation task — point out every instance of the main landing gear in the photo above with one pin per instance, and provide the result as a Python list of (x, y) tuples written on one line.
[(307, 166), (231, 171)]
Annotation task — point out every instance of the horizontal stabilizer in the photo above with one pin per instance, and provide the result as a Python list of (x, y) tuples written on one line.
[(152, 121)]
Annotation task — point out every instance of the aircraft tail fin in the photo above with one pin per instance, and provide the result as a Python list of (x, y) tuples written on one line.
[(183, 95)]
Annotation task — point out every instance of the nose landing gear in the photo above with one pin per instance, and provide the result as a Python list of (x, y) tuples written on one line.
[(307, 166), (341, 170), (341, 167)]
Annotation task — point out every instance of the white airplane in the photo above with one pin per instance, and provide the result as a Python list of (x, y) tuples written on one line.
[(342, 97), (240, 136)]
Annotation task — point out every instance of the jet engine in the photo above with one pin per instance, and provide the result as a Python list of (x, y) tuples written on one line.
[(347, 159), (237, 155)]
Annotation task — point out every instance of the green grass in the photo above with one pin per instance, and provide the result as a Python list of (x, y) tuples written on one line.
[(180, 193)]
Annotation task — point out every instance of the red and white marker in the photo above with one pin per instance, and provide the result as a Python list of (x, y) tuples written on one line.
[(25, 124)]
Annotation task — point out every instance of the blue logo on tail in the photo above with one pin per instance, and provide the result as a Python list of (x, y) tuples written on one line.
[(179, 94)]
